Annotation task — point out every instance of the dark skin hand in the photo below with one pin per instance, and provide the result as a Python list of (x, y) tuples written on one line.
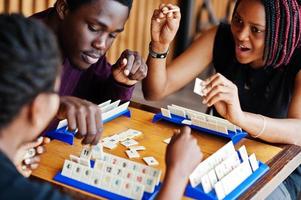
[(182, 156), (130, 68), (84, 116)]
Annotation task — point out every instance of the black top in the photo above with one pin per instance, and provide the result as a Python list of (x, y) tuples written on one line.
[(14, 186), (265, 91)]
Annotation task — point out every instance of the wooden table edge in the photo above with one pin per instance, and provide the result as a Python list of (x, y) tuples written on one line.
[(281, 166)]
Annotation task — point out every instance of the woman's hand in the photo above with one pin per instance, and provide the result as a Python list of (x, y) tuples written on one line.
[(223, 94), (164, 26), (27, 157)]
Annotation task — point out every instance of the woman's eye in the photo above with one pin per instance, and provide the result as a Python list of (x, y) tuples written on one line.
[(237, 20), (255, 30)]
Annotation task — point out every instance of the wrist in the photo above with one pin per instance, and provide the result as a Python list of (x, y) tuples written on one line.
[(129, 84), (158, 47), (241, 119), (177, 171)]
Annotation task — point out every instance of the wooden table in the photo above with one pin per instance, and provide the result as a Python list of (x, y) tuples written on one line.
[(282, 160)]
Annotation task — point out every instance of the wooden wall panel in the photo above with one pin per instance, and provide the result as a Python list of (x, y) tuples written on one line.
[(136, 35), (13, 6), (1, 6), (27, 7)]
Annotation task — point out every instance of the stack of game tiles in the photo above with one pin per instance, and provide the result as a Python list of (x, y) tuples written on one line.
[(126, 138), (198, 119), (112, 173), (108, 110), (224, 170)]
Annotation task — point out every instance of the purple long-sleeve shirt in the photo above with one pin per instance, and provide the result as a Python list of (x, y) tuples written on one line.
[(95, 84)]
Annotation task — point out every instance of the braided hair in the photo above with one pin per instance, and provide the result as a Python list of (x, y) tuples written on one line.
[(283, 30), (29, 63), (74, 4)]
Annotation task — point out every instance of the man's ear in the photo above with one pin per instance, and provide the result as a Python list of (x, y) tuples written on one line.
[(61, 8)]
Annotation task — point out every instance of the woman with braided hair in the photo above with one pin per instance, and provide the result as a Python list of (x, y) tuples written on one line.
[(258, 81)]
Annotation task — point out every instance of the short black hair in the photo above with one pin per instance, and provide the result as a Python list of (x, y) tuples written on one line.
[(74, 4), (29, 63)]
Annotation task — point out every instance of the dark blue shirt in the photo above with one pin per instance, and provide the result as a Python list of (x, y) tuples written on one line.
[(13, 186)]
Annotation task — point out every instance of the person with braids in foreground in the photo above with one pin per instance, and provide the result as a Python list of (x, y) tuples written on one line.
[(257, 85), (29, 76), (86, 29), (29, 67)]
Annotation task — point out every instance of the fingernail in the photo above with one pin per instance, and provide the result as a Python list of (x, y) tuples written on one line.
[(47, 140), (24, 167), (164, 9), (27, 161), (158, 20), (40, 139), (40, 150), (126, 72)]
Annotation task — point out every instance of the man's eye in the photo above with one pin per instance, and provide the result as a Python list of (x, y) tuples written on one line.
[(92, 28), (113, 35)]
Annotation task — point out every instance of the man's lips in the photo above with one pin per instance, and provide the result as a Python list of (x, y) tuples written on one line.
[(91, 58)]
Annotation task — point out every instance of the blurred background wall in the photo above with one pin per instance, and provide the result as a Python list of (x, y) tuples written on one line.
[(197, 16)]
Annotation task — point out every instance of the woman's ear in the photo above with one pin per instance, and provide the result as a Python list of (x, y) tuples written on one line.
[(43, 109), (61, 8)]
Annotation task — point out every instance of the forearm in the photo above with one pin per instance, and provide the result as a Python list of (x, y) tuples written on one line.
[(284, 131), (173, 186), (154, 85)]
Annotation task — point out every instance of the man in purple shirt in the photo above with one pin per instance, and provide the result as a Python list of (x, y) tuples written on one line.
[(86, 29)]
